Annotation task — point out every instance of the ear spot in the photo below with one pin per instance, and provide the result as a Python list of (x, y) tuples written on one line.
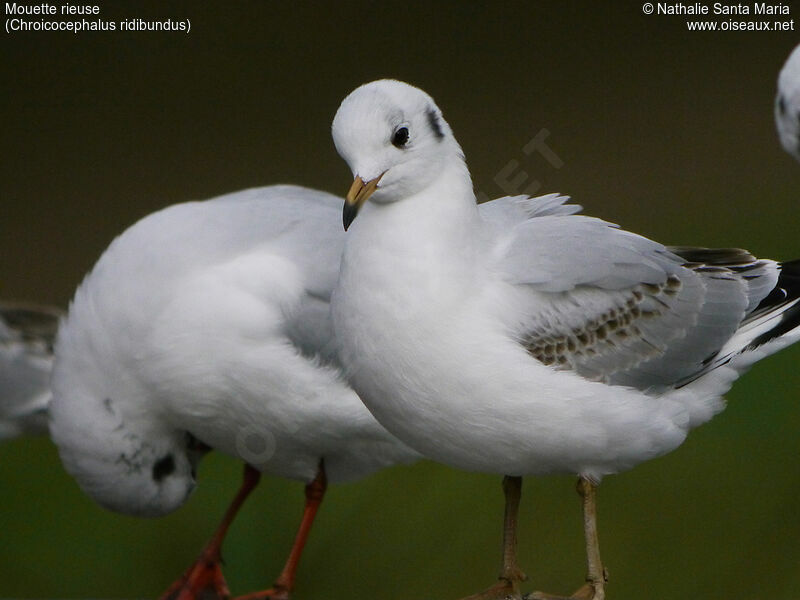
[(163, 467), (433, 121)]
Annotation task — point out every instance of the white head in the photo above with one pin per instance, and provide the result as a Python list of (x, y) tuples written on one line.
[(109, 437), (787, 104), (393, 137)]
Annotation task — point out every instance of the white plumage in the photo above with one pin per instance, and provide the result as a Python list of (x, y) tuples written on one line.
[(518, 337), (441, 303), (207, 324), (211, 318)]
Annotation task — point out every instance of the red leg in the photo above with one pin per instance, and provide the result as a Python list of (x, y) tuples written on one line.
[(284, 584), (204, 580)]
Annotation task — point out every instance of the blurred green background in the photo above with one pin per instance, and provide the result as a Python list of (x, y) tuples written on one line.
[(665, 131)]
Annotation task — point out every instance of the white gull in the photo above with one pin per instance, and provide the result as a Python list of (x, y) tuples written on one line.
[(206, 325), (519, 337)]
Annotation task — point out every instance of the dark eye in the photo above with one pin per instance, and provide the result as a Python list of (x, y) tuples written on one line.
[(400, 137), (163, 467)]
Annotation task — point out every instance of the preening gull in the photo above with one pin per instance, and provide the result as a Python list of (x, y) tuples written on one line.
[(519, 337), (206, 325)]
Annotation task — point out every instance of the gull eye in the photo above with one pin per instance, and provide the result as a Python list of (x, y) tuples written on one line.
[(163, 467), (400, 137)]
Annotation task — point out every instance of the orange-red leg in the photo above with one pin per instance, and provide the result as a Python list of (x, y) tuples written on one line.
[(284, 584), (204, 579)]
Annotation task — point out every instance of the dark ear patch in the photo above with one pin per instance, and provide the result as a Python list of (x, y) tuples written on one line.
[(433, 121), (163, 467)]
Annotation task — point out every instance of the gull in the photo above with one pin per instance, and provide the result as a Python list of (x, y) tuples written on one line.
[(520, 338), (206, 326), (787, 104), (26, 359)]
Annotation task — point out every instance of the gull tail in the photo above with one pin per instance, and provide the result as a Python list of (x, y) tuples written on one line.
[(775, 322), (773, 325)]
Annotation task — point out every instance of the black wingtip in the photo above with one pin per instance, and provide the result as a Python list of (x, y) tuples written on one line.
[(785, 292), (786, 289)]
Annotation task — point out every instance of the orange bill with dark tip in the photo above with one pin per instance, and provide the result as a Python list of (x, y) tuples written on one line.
[(356, 196)]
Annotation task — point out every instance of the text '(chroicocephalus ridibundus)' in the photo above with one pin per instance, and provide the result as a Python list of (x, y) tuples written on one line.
[(519, 337), (787, 104), (27, 332), (206, 325)]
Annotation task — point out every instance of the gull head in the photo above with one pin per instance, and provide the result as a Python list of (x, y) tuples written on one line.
[(125, 469), (393, 137), (787, 104), (111, 438)]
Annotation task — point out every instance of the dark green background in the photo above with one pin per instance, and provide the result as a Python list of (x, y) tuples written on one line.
[(666, 132)]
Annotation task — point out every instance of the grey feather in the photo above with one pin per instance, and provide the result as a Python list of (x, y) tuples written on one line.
[(26, 359), (614, 306), (557, 252)]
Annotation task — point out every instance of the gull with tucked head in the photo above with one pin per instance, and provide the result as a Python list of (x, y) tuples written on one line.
[(206, 326)]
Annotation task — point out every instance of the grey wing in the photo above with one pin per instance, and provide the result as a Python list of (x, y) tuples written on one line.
[(617, 307), (26, 359)]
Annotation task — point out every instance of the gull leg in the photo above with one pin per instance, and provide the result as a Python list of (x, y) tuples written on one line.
[(204, 580), (596, 577), (284, 584), (511, 575)]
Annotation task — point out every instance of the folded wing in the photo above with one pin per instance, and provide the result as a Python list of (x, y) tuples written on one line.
[(616, 307)]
